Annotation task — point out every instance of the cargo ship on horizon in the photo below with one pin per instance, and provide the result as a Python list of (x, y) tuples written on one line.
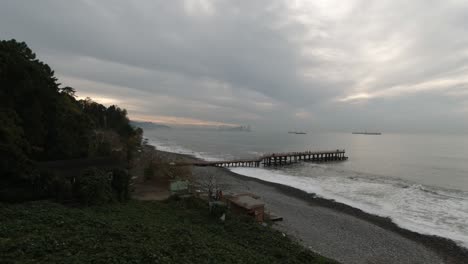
[(297, 132), (367, 133)]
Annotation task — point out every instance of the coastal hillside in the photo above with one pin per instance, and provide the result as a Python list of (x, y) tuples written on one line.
[(43, 121), (145, 131), (65, 186), (149, 125)]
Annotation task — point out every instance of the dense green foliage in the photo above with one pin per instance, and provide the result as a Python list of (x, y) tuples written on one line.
[(96, 187), (93, 187), (40, 121), (139, 232), (120, 185)]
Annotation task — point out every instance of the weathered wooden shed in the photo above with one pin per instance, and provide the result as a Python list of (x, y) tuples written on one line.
[(247, 204)]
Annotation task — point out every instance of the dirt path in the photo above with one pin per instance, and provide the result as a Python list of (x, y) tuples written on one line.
[(151, 190), (157, 186)]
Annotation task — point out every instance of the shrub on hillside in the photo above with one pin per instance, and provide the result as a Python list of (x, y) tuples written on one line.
[(60, 188), (120, 184), (93, 187), (49, 185)]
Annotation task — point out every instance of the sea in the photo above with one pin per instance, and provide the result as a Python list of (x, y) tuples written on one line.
[(420, 181)]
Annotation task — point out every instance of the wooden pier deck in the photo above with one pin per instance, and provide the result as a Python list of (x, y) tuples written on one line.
[(276, 159)]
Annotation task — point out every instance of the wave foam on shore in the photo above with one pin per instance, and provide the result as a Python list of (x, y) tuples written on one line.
[(415, 207), (170, 147), (419, 208)]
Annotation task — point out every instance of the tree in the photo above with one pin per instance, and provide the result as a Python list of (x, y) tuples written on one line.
[(68, 90), (42, 122)]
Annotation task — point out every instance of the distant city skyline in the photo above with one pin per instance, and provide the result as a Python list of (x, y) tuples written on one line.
[(390, 66)]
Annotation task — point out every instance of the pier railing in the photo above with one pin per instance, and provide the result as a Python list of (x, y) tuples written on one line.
[(276, 159)]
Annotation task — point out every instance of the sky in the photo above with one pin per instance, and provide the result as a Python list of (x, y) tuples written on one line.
[(387, 65)]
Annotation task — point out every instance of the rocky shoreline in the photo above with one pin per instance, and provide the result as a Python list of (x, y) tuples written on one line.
[(337, 230)]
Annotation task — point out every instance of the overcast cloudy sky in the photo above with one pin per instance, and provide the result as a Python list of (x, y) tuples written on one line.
[(332, 65)]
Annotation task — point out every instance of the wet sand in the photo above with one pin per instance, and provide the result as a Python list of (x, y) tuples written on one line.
[(336, 230)]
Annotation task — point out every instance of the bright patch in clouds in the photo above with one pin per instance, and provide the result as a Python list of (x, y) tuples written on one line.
[(199, 7), (268, 63), (303, 115), (360, 96), (179, 121), (450, 86)]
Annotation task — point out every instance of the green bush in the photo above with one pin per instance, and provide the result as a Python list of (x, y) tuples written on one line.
[(121, 184), (93, 187), (104, 149), (60, 188), (139, 232), (49, 185), (217, 210), (16, 194)]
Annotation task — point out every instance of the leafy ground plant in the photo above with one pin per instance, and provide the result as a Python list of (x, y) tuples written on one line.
[(139, 232)]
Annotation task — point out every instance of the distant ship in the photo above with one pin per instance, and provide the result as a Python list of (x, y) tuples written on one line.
[(367, 133), (297, 132)]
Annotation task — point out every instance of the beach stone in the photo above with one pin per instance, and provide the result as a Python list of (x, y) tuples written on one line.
[(327, 231)]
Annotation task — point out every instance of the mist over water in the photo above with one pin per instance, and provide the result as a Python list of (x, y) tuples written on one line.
[(420, 181)]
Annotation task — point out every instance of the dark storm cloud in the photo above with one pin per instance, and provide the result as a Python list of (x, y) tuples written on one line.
[(310, 64)]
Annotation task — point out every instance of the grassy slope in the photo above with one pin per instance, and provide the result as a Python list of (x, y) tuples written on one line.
[(138, 232)]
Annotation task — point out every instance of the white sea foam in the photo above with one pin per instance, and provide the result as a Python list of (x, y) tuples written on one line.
[(418, 208), (168, 146)]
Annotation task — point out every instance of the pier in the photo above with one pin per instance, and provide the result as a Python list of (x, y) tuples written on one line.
[(276, 159)]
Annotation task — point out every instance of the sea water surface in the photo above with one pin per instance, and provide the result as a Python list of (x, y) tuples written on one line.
[(420, 181)]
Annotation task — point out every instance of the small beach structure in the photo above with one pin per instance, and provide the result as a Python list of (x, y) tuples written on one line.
[(179, 187), (247, 204)]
